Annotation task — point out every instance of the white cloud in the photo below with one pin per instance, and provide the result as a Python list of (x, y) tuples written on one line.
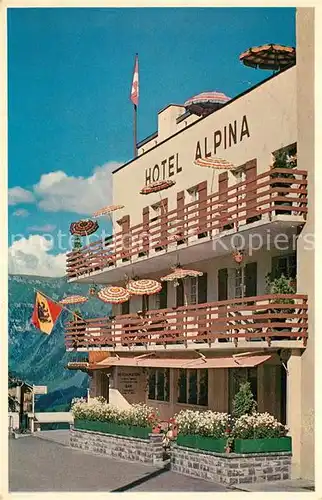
[(46, 228), (58, 192), (32, 256), (21, 212), (18, 195)]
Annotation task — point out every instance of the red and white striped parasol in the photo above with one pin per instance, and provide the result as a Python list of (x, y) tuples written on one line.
[(216, 163), (179, 273), (107, 210), (84, 227), (144, 287), (155, 187), (206, 102), (114, 295), (270, 56), (74, 299)]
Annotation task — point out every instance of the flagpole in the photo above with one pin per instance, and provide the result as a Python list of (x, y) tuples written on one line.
[(60, 305), (135, 115)]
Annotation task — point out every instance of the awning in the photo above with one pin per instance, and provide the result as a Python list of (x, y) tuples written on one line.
[(153, 362)]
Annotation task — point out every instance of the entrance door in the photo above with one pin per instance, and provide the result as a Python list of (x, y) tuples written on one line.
[(104, 385)]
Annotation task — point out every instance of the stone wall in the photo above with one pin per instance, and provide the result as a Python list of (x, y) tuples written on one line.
[(149, 451), (231, 469)]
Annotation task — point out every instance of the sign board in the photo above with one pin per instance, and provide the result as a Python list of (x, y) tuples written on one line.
[(40, 389)]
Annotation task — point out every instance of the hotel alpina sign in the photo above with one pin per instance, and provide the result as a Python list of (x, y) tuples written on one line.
[(231, 134)]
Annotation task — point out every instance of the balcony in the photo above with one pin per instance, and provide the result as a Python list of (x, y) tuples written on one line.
[(259, 321), (261, 202)]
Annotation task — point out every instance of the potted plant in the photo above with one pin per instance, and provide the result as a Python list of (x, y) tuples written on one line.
[(260, 433), (281, 286), (204, 430), (243, 402), (282, 160)]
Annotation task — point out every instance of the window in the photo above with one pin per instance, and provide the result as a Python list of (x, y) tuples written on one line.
[(193, 296), (159, 384), (156, 212), (193, 387), (193, 194), (239, 286), (239, 376), (285, 264)]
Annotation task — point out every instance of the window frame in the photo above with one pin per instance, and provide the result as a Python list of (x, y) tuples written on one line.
[(156, 374), (188, 373)]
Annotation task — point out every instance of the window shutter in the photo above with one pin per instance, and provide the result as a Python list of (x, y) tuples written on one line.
[(180, 294), (164, 296), (202, 288), (222, 284), (125, 307), (251, 279)]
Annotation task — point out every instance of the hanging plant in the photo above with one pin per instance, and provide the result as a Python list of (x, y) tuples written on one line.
[(238, 256), (93, 289)]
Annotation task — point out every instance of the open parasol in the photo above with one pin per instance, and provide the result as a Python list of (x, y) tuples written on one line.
[(143, 288), (73, 299), (216, 164), (178, 273), (155, 187), (270, 56), (84, 227), (206, 102), (114, 295), (107, 210)]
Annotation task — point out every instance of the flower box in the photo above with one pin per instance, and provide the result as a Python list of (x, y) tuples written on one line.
[(205, 443), (113, 428), (265, 445)]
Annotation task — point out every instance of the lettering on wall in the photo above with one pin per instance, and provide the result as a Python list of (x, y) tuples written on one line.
[(230, 135), (129, 382), (225, 138), (166, 169)]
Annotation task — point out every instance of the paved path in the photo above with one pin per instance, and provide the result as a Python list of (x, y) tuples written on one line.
[(44, 462)]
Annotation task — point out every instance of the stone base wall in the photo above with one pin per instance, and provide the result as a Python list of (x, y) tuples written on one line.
[(231, 469), (149, 451)]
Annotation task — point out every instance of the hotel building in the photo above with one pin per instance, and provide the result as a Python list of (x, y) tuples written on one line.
[(199, 339)]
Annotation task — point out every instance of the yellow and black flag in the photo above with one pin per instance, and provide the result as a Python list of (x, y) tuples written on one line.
[(45, 314)]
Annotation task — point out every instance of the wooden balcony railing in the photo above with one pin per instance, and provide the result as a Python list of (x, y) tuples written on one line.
[(244, 202), (267, 317)]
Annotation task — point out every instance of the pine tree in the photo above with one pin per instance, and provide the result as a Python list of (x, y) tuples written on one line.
[(243, 402), (77, 242)]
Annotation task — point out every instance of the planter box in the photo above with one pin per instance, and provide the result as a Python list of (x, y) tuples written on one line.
[(202, 443), (112, 428), (266, 445)]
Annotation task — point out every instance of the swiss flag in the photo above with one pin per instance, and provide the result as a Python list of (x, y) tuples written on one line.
[(135, 83)]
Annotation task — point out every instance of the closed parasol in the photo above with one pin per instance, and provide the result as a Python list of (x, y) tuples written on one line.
[(84, 227), (216, 164), (114, 295), (206, 102), (270, 56), (74, 299)]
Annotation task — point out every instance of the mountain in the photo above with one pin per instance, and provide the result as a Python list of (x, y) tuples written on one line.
[(41, 359)]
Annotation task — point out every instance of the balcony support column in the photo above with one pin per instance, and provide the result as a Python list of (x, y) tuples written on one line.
[(293, 407)]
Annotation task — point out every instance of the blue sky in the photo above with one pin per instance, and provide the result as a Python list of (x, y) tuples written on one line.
[(69, 77)]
